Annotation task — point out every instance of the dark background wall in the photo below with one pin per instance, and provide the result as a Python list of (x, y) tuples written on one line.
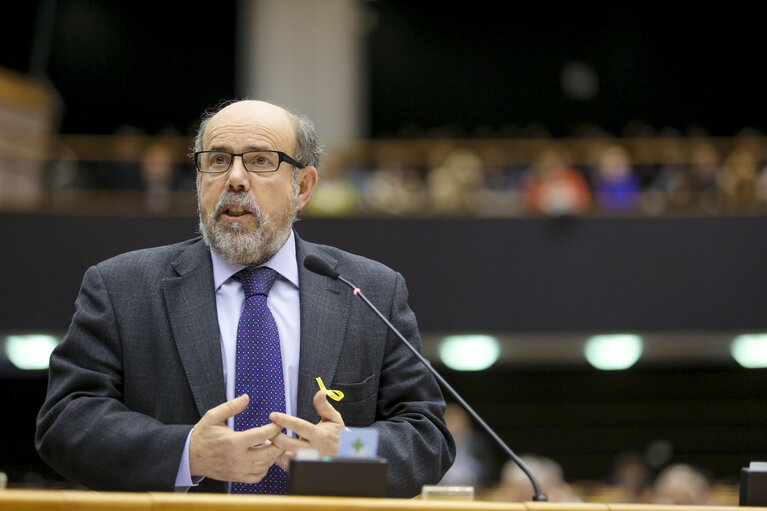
[(489, 66), (429, 64), (506, 275)]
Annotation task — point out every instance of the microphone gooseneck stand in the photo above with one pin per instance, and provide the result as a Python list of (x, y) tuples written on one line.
[(321, 267)]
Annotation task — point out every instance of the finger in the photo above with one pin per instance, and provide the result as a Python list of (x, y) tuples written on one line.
[(230, 408), (325, 409), (299, 426), (259, 435), (289, 444), (265, 453)]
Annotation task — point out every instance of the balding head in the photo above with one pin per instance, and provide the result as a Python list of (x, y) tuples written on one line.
[(307, 149)]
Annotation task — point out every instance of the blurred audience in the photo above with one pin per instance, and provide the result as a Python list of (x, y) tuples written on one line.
[(454, 183), (668, 186), (394, 187), (683, 485), (616, 187), (632, 476), (738, 178), (120, 169), (524, 172), (553, 187), (158, 175), (515, 486), (475, 458), (761, 187), (705, 168), (336, 194)]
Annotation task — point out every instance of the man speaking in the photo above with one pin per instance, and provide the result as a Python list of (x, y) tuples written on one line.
[(194, 366)]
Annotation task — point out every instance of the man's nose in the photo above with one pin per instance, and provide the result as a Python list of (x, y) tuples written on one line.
[(238, 179)]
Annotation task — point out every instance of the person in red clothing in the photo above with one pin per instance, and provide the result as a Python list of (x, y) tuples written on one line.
[(553, 187)]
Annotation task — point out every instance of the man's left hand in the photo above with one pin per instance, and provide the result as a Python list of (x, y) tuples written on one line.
[(322, 437)]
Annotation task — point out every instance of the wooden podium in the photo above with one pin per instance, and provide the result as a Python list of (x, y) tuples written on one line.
[(73, 500)]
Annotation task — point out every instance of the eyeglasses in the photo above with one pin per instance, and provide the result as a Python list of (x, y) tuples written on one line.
[(218, 162)]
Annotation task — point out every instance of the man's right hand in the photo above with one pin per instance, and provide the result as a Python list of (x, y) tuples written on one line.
[(217, 452)]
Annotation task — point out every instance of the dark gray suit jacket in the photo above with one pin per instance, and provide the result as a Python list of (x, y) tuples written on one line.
[(141, 363)]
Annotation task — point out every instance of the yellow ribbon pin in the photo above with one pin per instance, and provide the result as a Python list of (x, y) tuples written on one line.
[(335, 395)]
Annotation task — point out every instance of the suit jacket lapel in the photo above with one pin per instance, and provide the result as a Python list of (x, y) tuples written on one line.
[(325, 305), (191, 302)]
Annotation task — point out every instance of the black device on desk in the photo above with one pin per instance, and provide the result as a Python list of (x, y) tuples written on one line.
[(338, 477), (753, 484)]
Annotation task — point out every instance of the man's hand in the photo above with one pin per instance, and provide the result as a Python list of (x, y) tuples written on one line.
[(323, 436), (218, 452)]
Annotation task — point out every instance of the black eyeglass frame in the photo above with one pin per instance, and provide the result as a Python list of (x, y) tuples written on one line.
[(283, 157)]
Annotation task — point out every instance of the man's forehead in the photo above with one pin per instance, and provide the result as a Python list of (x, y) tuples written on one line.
[(256, 117), (253, 111)]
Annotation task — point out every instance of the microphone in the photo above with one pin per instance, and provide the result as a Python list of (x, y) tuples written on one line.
[(321, 267)]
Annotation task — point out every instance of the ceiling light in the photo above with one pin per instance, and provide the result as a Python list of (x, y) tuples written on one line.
[(611, 352), (469, 352), (750, 350), (30, 352)]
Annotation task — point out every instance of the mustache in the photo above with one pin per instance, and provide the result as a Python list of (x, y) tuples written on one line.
[(241, 199)]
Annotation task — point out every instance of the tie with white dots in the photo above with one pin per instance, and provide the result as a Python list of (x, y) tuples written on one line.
[(258, 369)]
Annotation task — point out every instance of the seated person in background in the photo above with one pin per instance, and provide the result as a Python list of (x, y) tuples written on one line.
[(632, 475), (553, 187), (681, 484), (475, 459), (616, 186)]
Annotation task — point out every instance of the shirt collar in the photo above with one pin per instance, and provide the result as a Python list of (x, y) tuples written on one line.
[(283, 262)]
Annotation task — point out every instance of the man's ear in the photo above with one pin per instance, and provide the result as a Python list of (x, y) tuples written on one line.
[(307, 182)]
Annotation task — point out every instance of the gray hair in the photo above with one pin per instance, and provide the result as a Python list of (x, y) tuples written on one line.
[(308, 147)]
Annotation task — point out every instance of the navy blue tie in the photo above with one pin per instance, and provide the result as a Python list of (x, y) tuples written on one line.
[(258, 369)]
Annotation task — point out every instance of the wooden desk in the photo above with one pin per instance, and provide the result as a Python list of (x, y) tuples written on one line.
[(72, 500)]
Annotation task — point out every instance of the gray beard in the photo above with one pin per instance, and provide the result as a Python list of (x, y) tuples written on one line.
[(250, 249)]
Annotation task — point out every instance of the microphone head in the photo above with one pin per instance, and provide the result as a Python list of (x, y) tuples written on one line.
[(319, 266)]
